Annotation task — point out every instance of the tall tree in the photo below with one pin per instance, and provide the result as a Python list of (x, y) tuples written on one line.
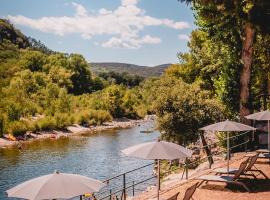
[(231, 21)]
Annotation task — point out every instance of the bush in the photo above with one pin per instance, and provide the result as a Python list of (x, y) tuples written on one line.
[(14, 112), (46, 123), (62, 120), (93, 117), (17, 128), (102, 116), (82, 118), (3, 124)]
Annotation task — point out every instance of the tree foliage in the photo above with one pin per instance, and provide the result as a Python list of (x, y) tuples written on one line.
[(182, 108)]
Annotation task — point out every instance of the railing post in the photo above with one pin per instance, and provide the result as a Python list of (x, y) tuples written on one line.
[(186, 168), (124, 186), (186, 172), (211, 157), (110, 194), (133, 189)]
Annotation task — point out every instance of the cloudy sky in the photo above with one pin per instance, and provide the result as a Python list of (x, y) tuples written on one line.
[(144, 32)]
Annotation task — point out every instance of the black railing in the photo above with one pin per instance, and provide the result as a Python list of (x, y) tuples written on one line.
[(120, 191), (118, 187)]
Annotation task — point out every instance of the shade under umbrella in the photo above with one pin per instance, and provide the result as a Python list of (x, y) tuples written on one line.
[(228, 126), (55, 186), (159, 150), (262, 116)]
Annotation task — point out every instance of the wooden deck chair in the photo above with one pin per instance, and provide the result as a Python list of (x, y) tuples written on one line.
[(174, 197), (227, 179), (188, 194), (251, 165), (190, 191), (249, 171)]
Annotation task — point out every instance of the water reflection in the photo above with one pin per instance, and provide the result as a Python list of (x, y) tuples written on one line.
[(97, 156)]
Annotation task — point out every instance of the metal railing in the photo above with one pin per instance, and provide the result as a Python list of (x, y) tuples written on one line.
[(120, 191), (114, 190)]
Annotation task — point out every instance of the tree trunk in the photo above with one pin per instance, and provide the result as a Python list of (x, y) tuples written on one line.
[(206, 149), (247, 50)]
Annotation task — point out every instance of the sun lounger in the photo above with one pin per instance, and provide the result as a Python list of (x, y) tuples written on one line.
[(260, 156), (249, 171), (188, 194), (174, 197), (190, 191), (264, 155), (226, 179), (262, 151)]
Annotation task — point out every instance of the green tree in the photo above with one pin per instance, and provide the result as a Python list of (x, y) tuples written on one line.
[(182, 108), (236, 24), (81, 77)]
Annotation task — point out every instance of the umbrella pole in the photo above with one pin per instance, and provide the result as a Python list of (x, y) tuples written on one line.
[(268, 136), (228, 152), (158, 179)]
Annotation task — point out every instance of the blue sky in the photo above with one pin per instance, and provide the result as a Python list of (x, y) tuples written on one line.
[(143, 32)]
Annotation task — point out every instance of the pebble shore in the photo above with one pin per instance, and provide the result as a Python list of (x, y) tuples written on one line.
[(75, 130)]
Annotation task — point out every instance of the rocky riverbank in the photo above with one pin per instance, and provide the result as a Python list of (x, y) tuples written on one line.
[(75, 130)]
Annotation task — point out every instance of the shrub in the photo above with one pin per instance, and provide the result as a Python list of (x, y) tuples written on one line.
[(82, 118), (62, 120), (17, 128), (93, 117), (14, 112), (102, 116), (3, 124), (46, 123)]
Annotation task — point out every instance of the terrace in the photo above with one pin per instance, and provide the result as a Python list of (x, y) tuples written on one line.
[(260, 188)]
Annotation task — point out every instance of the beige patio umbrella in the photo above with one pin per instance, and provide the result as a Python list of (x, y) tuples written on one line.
[(262, 116), (228, 126), (158, 150), (55, 186)]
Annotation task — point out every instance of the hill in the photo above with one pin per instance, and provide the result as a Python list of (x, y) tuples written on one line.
[(144, 71), (8, 32)]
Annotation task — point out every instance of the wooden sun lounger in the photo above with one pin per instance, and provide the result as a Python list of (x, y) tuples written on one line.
[(226, 179), (260, 156), (262, 151), (249, 171), (188, 194)]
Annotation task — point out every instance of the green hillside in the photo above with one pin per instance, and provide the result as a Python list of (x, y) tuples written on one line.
[(144, 71)]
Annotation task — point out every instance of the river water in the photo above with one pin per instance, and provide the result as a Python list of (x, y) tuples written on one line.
[(94, 155)]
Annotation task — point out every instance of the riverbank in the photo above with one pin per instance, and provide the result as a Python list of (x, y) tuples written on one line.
[(75, 129)]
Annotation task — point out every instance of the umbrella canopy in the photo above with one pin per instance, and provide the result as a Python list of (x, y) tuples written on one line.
[(262, 116), (158, 150), (55, 186), (227, 126)]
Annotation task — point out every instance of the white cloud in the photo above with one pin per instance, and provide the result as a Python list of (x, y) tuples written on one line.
[(129, 2), (80, 10), (183, 37), (123, 24), (130, 42)]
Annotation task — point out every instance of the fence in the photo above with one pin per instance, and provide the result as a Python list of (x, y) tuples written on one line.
[(114, 190)]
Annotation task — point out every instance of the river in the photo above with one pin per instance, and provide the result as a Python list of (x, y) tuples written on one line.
[(94, 155)]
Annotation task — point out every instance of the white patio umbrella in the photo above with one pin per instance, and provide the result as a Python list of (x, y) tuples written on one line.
[(158, 150), (262, 116), (228, 126), (55, 186)]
